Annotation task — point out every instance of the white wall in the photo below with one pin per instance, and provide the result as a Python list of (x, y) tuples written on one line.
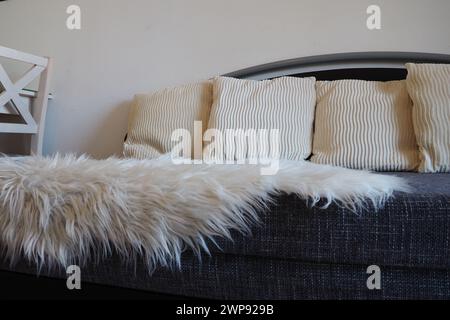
[(133, 46)]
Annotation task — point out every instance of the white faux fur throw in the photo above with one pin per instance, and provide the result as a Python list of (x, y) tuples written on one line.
[(66, 210)]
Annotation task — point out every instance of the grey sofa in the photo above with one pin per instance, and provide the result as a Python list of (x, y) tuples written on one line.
[(300, 252)]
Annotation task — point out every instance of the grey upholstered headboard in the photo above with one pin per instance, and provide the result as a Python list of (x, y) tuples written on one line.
[(380, 66)]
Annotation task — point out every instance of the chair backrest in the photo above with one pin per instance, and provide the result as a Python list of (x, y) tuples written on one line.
[(32, 121)]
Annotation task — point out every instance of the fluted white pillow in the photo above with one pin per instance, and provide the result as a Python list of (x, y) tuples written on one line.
[(364, 125), (285, 103), (154, 117), (429, 88)]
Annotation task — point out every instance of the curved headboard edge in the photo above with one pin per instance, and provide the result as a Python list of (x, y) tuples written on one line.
[(377, 59)]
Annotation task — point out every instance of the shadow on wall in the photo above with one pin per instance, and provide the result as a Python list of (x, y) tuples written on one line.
[(116, 122), (109, 135)]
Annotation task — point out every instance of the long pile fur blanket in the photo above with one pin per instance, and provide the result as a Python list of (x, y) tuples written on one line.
[(67, 210)]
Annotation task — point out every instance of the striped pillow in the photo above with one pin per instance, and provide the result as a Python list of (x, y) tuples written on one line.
[(364, 125), (155, 116), (429, 88), (286, 104)]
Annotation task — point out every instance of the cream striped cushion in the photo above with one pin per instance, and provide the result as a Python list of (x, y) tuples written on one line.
[(364, 125), (285, 103), (155, 116), (429, 88)]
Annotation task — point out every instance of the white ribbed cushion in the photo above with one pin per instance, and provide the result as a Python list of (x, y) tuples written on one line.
[(154, 117), (285, 103), (429, 88), (364, 125)]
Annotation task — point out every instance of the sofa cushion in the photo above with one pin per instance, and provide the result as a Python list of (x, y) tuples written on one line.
[(364, 125), (412, 230), (285, 104), (154, 117), (429, 87)]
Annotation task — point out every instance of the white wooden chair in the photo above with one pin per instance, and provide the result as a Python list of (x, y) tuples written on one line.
[(34, 119)]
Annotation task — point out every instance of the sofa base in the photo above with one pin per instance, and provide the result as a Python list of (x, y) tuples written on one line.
[(225, 276)]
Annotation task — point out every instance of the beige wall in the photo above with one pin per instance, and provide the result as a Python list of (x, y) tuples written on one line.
[(133, 46)]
